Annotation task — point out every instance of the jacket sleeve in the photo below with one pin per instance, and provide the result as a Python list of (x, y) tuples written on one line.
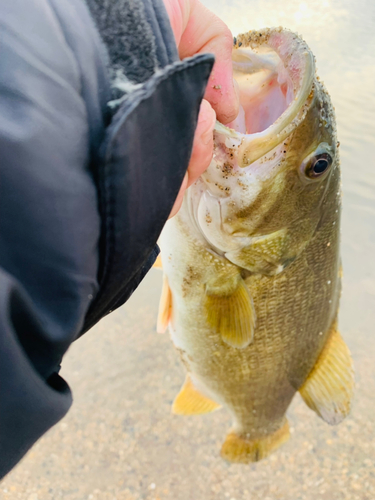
[(83, 194), (49, 221), (146, 149)]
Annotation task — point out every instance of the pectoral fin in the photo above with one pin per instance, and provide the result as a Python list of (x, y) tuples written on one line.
[(329, 388), (231, 314), (189, 401), (165, 307)]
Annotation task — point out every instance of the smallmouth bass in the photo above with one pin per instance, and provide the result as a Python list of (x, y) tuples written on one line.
[(251, 262)]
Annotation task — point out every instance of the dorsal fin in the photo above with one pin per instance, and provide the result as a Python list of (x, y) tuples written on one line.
[(328, 389)]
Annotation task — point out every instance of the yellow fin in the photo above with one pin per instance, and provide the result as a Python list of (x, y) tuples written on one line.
[(165, 307), (157, 264), (328, 389), (189, 401), (243, 450), (232, 315)]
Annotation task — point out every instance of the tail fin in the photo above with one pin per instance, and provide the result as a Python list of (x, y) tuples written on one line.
[(242, 450)]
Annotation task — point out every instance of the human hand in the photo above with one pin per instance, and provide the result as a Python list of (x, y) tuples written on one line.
[(197, 30)]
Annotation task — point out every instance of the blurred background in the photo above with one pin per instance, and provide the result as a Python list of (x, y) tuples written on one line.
[(120, 441)]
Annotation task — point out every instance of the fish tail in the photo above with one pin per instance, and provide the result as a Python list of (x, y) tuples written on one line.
[(241, 449)]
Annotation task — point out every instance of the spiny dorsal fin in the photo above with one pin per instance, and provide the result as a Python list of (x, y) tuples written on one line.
[(328, 389), (189, 401), (232, 314), (165, 307)]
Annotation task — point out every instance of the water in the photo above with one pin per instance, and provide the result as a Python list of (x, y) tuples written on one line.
[(120, 441)]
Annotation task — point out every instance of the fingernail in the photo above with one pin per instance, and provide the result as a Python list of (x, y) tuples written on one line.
[(207, 136), (204, 111)]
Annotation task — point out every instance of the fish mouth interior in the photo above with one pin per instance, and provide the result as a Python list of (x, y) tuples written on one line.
[(275, 78), (265, 86)]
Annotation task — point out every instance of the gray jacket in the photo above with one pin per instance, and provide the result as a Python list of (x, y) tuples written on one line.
[(85, 188)]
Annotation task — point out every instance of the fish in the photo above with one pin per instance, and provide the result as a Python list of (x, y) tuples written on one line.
[(251, 262)]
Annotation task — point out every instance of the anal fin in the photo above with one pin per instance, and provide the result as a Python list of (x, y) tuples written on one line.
[(328, 389), (240, 449), (189, 401), (232, 315), (165, 307)]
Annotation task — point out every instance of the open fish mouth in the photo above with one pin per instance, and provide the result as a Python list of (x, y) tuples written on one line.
[(275, 70), (256, 164)]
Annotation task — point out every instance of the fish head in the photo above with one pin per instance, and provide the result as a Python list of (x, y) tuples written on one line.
[(274, 170)]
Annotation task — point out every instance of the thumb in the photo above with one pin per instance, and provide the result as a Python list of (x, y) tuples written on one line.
[(201, 154)]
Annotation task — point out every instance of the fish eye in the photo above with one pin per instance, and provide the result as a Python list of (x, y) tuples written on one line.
[(318, 165)]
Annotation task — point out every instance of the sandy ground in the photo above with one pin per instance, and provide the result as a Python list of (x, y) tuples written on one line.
[(120, 441)]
